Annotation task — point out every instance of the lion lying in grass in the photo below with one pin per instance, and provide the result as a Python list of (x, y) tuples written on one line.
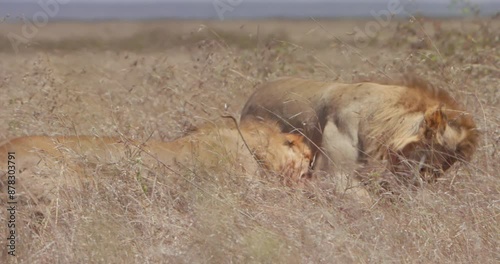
[(414, 127), (212, 147)]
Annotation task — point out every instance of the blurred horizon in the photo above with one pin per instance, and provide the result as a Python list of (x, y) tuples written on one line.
[(81, 10)]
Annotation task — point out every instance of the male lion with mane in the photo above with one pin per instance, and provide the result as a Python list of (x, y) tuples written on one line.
[(413, 126), (253, 147)]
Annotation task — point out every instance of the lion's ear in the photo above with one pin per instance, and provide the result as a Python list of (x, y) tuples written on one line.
[(435, 119), (293, 139)]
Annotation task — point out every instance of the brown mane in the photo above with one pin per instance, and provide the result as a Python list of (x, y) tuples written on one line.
[(457, 116), (414, 81), (429, 93), (430, 90)]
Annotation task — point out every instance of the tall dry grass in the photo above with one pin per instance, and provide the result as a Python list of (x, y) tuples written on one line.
[(160, 84)]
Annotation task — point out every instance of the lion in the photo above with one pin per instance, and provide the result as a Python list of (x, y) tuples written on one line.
[(412, 126), (255, 146)]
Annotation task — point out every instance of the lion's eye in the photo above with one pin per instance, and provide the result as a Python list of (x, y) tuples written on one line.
[(288, 143)]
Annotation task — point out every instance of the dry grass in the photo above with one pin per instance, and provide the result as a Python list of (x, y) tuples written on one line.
[(161, 83)]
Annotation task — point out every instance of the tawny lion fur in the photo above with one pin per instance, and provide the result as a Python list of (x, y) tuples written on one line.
[(348, 125), (211, 147)]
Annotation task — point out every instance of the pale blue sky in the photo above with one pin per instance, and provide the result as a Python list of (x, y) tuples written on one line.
[(155, 9), (159, 1)]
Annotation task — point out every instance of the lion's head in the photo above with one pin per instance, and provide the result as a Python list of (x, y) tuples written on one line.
[(444, 134), (283, 153), (294, 158)]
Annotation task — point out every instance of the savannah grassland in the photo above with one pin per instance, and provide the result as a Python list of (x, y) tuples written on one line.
[(161, 79)]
